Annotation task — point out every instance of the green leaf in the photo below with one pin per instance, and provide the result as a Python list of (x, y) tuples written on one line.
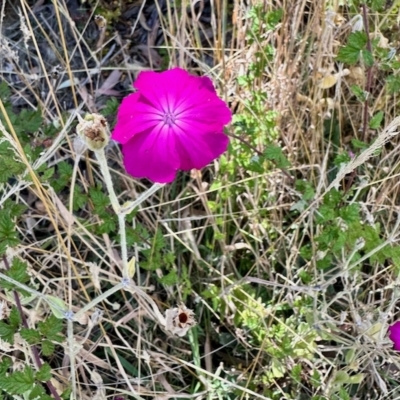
[(376, 5), (333, 198), (51, 328), (64, 169), (18, 270), (62, 176), (325, 213), (47, 174), (18, 273), (47, 348), (8, 235), (170, 279), (57, 306), (5, 364), (80, 199), (325, 263), (306, 188), (355, 50), (29, 120), (348, 55), (342, 158), (343, 377), (44, 373), (274, 153), (15, 318), (359, 144), (343, 395), (357, 40), (110, 108), (108, 224), (350, 213), (393, 84), (274, 17), (100, 200), (46, 397), (153, 255), (7, 332), (15, 209), (37, 392), (256, 164), (18, 382), (32, 336), (367, 57), (66, 394), (359, 93), (296, 373), (5, 91)]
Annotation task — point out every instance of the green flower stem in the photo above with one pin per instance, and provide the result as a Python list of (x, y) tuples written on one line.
[(32, 292), (99, 299), (124, 247), (101, 158), (71, 342), (121, 211)]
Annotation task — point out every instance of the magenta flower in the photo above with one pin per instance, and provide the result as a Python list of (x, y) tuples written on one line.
[(394, 335), (174, 121)]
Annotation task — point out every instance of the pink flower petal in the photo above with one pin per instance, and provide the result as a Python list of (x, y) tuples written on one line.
[(129, 123), (196, 151), (174, 121), (212, 116), (152, 155), (164, 89), (394, 335)]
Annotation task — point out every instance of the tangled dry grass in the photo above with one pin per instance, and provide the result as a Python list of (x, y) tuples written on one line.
[(239, 235)]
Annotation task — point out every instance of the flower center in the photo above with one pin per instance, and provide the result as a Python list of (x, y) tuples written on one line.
[(169, 119)]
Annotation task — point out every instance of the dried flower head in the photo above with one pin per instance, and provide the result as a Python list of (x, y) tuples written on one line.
[(93, 130), (179, 320), (175, 121), (100, 21)]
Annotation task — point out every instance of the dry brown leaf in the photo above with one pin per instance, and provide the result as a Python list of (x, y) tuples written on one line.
[(66, 215), (339, 19), (143, 23), (303, 99), (109, 83), (356, 76), (237, 246), (328, 81)]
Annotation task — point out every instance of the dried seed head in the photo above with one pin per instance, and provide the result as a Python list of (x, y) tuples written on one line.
[(56, 71), (93, 130), (179, 320), (100, 21)]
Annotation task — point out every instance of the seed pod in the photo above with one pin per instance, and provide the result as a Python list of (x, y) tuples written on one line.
[(93, 130)]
